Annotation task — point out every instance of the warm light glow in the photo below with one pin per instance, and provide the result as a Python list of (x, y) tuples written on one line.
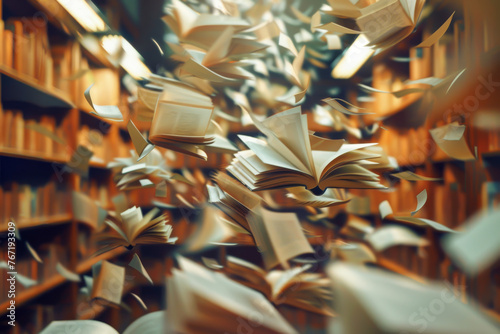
[(128, 57), (112, 44), (84, 14), (353, 58)]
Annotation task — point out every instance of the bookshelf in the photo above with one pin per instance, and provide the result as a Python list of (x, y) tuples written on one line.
[(39, 100), (43, 120), (466, 186)]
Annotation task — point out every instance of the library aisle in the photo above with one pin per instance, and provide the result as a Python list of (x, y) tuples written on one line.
[(248, 167)]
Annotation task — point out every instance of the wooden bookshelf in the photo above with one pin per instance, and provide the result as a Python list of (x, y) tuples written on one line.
[(27, 295), (50, 100), (28, 155), (86, 265), (41, 222), (21, 87)]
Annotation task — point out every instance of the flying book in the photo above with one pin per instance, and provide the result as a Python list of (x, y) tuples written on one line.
[(108, 284), (370, 300), (132, 228), (291, 156), (278, 235), (181, 120), (294, 286), (200, 301), (386, 22), (148, 323)]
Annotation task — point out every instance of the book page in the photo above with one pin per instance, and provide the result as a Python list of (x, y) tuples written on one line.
[(290, 127), (79, 326), (285, 235), (456, 148), (108, 284), (477, 247), (150, 323), (180, 120), (393, 235)]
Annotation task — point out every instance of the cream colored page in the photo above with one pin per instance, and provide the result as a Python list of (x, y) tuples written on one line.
[(262, 240), (150, 323), (267, 154), (109, 283), (178, 120), (457, 149), (478, 247), (286, 235), (84, 209), (290, 128), (219, 49), (392, 235), (79, 326)]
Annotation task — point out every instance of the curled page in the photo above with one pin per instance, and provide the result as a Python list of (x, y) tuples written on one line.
[(457, 149), (385, 209), (432, 39), (421, 199), (108, 112), (142, 146), (286, 42), (137, 265), (33, 252), (478, 247), (139, 300)]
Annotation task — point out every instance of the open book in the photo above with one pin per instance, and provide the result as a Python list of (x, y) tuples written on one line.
[(202, 301), (291, 156), (133, 228), (181, 119), (147, 324), (386, 22), (278, 235), (295, 287)]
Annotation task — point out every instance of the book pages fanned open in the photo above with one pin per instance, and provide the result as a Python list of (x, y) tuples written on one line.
[(181, 120)]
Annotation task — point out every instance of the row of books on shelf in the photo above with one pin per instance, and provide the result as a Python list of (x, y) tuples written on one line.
[(36, 134), (26, 49), (25, 202)]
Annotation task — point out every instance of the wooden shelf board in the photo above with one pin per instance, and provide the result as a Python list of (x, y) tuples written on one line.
[(24, 88), (40, 222), (26, 295), (29, 155), (57, 279)]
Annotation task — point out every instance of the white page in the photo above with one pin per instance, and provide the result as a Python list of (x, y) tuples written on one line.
[(478, 247)]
